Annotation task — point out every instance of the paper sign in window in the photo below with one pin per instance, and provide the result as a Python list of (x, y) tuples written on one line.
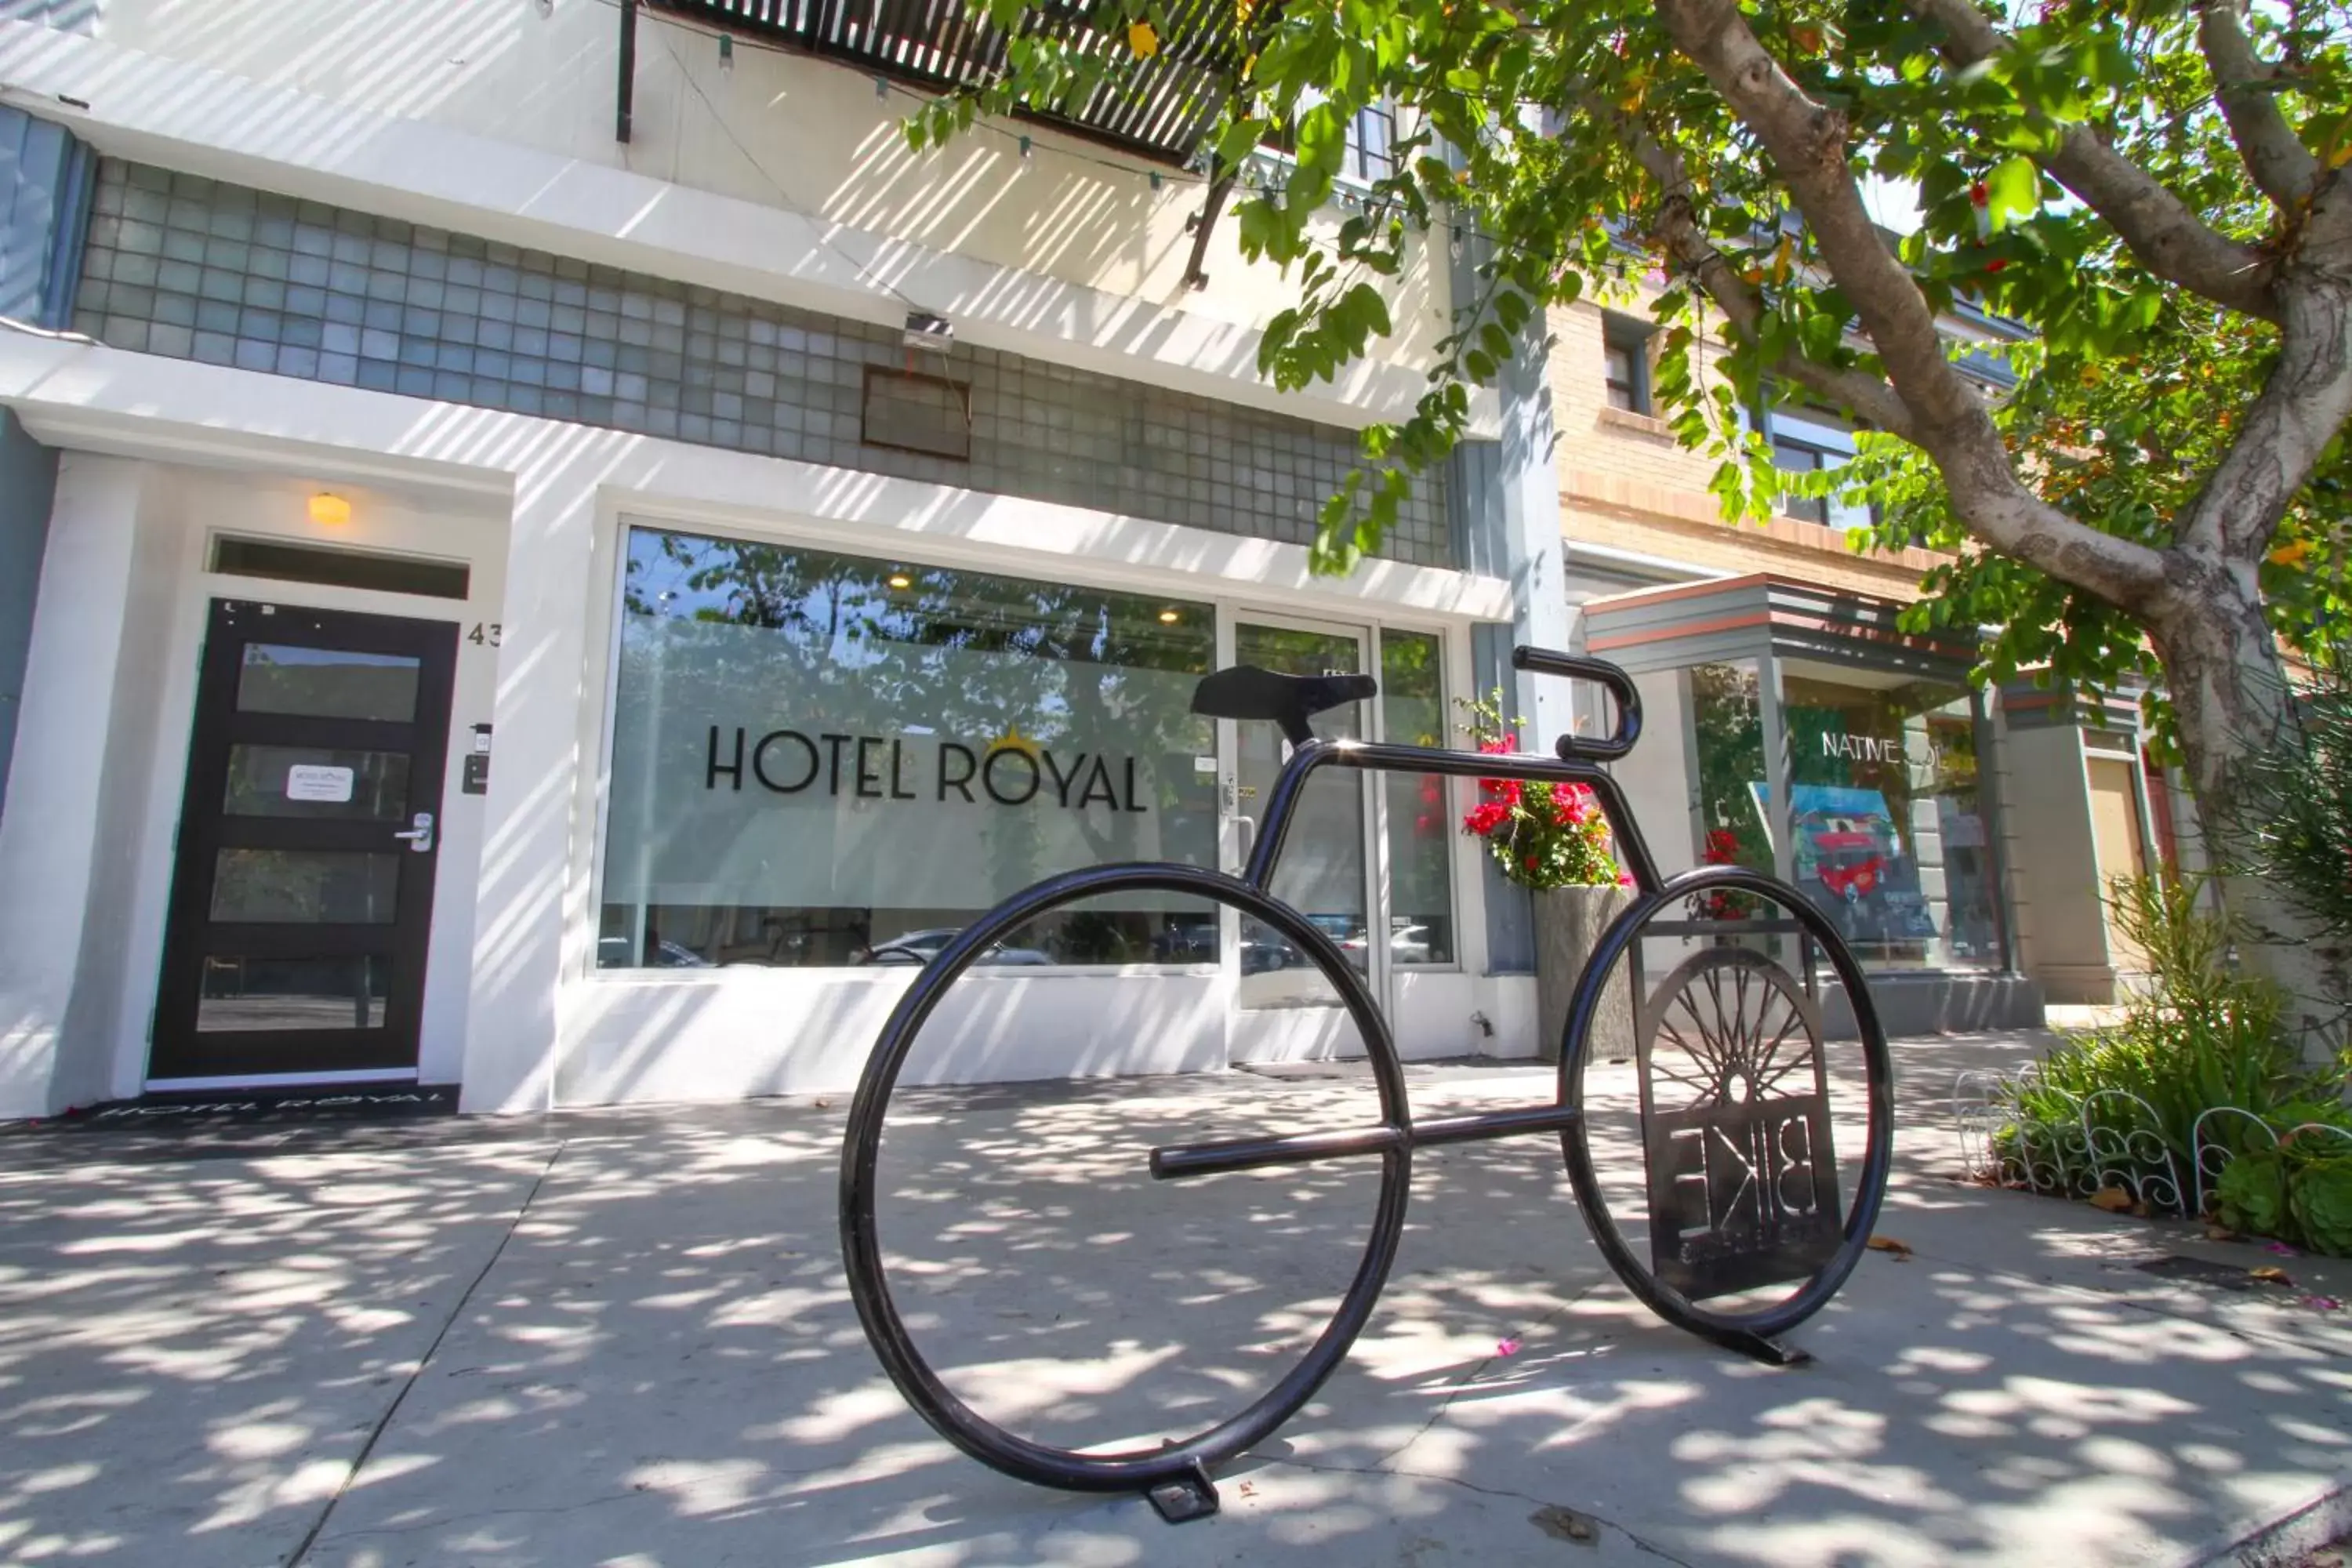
[(309, 781)]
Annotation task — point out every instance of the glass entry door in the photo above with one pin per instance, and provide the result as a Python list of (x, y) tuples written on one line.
[(302, 895), (1325, 869)]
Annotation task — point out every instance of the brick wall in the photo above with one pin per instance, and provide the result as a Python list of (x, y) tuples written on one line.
[(1626, 484)]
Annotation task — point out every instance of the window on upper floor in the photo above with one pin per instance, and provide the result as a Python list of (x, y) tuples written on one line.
[(1371, 140), (1799, 456), (1626, 363)]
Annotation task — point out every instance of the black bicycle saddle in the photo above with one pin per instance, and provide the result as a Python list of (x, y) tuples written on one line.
[(1245, 692)]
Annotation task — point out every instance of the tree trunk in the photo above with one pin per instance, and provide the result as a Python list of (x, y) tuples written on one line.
[(2230, 691)]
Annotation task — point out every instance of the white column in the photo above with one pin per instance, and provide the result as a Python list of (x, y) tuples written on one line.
[(531, 907), (52, 838), (1527, 481)]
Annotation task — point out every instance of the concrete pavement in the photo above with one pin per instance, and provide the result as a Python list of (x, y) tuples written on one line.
[(622, 1338)]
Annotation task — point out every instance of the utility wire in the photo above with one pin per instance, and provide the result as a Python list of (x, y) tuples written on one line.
[(863, 270)]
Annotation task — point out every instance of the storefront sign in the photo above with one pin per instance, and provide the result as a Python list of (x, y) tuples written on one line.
[(889, 767), (758, 768)]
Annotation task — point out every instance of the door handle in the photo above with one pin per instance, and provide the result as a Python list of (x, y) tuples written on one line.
[(419, 838)]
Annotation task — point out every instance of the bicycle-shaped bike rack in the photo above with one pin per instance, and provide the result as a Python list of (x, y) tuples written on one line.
[(1743, 1184)]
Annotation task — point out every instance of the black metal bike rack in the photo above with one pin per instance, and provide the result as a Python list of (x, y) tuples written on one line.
[(1744, 1097)]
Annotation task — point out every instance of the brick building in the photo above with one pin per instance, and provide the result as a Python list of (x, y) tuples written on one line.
[(1963, 837)]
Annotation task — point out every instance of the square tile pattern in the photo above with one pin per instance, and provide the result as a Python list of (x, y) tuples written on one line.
[(199, 269)]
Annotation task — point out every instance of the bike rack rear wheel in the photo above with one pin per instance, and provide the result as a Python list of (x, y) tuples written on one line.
[(1727, 1091), (1178, 1466)]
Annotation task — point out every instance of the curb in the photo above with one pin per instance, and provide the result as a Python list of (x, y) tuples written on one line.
[(2287, 1541)]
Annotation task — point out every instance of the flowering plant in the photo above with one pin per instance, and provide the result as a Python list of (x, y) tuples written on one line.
[(1541, 835), (1722, 903)]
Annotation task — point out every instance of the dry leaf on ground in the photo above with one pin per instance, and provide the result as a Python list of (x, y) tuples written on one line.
[(2114, 1200), (1899, 1250)]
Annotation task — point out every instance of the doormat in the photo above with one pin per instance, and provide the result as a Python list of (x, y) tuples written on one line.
[(250, 1108)]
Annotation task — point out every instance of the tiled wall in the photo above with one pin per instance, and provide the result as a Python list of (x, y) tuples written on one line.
[(199, 269)]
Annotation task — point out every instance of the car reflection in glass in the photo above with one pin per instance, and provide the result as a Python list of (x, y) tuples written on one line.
[(620, 952), (918, 947)]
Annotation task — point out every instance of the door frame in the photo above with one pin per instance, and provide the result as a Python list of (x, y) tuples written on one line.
[(438, 702), (1254, 1029)]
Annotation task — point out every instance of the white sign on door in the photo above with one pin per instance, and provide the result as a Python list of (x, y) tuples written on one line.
[(307, 780)]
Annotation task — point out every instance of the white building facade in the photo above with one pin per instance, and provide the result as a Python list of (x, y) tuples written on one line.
[(507, 608)]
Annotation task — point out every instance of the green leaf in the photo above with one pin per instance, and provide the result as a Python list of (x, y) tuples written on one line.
[(2012, 190)]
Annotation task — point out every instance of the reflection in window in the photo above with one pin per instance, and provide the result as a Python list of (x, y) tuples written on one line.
[(818, 759), (241, 994), (1421, 821), (305, 886), (326, 683), (1727, 725), (1321, 872), (1887, 821)]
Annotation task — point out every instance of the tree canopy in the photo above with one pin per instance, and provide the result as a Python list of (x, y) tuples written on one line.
[(2155, 192)]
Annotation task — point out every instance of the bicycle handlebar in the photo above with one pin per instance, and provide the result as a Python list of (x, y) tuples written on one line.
[(1543, 661)]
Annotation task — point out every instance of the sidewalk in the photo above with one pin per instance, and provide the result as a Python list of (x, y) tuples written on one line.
[(637, 1350)]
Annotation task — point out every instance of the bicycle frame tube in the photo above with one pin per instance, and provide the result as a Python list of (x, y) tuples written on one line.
[(1382, 758)]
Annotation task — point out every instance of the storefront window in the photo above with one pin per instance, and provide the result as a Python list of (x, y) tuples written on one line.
[(1887, 823), (1727, 726), (819, 759), (1421, 828)]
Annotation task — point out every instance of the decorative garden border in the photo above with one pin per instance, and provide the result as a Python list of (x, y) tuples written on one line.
[(2115, 1141)]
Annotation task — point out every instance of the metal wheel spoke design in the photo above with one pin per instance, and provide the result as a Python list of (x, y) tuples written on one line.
[(1751, 1223)]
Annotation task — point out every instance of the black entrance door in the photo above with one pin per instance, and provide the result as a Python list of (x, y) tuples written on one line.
[(309, 832)]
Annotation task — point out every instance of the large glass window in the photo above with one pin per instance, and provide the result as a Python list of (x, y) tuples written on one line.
[(819, 759), (1421, 822), (1728, 729), (1887, 820)]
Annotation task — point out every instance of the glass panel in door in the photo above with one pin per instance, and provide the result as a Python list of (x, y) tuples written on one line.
[(1322, 871)]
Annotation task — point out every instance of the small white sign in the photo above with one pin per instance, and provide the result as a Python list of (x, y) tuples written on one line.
[(307, 780), (1205, 764)]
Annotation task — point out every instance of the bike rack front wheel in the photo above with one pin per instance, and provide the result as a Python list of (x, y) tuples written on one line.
[(1750, 1096), (1174, 1475)]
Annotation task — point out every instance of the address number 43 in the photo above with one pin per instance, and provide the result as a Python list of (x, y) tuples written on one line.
[(487, 633)]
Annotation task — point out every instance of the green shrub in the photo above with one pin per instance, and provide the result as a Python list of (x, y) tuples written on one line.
[(2252, 1193), (2203, 1035), (2291, 820), (2319, 1198)]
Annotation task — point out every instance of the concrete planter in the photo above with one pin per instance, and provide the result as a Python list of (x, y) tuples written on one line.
[(1568, 923)]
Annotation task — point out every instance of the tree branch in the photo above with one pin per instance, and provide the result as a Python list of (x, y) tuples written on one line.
[(2277, 159), (1807, 143), (2160, 229), (2304, 402), (1678, 230)]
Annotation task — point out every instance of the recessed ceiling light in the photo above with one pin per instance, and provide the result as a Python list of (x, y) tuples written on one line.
[(901, 580), (330, 510), (1169, 617)]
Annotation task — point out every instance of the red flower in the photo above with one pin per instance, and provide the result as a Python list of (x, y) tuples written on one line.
[(1486, 817), (1996, 263), (1531, 862), (1624, 878), (1505, 790)]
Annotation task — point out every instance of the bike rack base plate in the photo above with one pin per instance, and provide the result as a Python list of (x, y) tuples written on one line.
[(1771, 1353), (1186, 1497)]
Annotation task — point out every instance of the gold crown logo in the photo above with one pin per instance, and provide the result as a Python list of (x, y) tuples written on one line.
[(1013, 739)]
